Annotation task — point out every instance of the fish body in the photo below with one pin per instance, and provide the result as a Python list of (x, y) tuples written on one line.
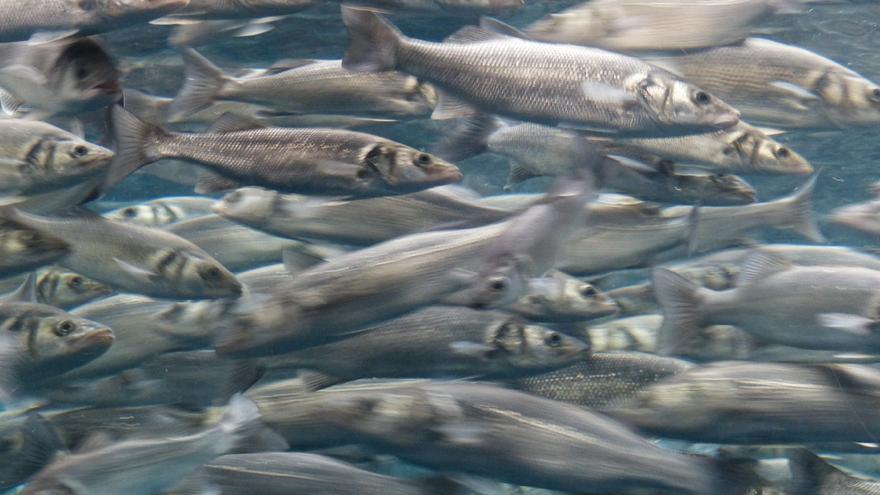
[(162, 211), (23, 248), (580, 87)]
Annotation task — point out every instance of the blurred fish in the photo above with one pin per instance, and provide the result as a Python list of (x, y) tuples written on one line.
[(195, 33), (812, 475), (800, 306), (134, 258), (440, 342), (64, 78), (27, 443), (65, 289), (235, 9), (602, 379), (583, 87), (235, 246), (40, 342), (759, 403), (21, 20), (782, 85), (359, 222), (516, 438), (162, 211), (305, 160), (23, 248), (652, 25), (37, 157), (799, 254), (304, 87), (861, 217), (283, 473), (193, 379), (560, 298), (463, 8), (145, 466)]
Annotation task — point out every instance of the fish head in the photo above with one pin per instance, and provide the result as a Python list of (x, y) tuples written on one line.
[(211, 279), (673, 102), (503, 281), (196, 321), (85, 77), (542, 347), (135, 10), (848, 99), (70, 289), (717, 277), (73, 158), (583, 299), (63, 342), (747, 148), (723, 189), (864, 217), (248, 204), (394, 167)]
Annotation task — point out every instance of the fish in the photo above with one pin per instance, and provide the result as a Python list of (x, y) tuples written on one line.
[(188, 378), (62, 18), (455, 8), (194, 33), (23, 248), (602, 379), (27, 443), (359, 222), (811, 474), (437, 341), (758, 403), (234, 246), (212, 9), (514, 437), (304, 87), (36, 157), (40, 342), (279, 473), (58, 287), (147, 465), (312, 160), (831, 307), (560, 298), (162, 211), (63, 78), (648, 25), (584, 87), (487, 266), (863, 218), (781, 85), (134, 258)]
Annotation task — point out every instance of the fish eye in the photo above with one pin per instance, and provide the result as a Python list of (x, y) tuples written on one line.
[(782, 152), (553, 340), (75, 281), (588, 291), (81, 73), (875, 95), (498, 284), (728, 150), (233, 197), (363, 173), (129, 213), (212, 273), (702, 98), (80, 151), (65, 328), (423, 159)]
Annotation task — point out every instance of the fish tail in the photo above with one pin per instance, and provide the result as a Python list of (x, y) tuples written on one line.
[(800, 216), (470, 138), (239, 422), (204, 81), (135, 145), (374, 41), (680, 300), (807, 470)]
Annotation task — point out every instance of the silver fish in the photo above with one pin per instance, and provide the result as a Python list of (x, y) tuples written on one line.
[(860, 217), (304, 87), (782, 85), (305, 160), (514, 437), (145, 466), (27, 443), (760, 403), (23, 248), (23, 19), (234, 9), (358, 222), (584, 87), (811, 474), (441, 341), (560, 298), (55, 286), (652, 25), (162, 211), (63, 78), (134, 258)]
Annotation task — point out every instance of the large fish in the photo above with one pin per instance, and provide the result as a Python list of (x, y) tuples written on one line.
[(303, 160), (542, 83)]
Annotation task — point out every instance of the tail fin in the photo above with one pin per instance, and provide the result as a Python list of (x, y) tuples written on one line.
[(467, 139), (680, 300), (204, 81), (801, 218), (136, 145), (41, 444), (807, 471), (239, 422), (374, 41)]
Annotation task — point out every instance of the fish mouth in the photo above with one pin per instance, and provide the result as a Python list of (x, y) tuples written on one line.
[(726, 120), (94, 343), (446, 175), (109, 87), (749, 195)]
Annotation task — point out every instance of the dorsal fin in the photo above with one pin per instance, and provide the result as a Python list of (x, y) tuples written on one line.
[(26, 292), (473, 34), (494, 25), (759, 265), (231, 122)]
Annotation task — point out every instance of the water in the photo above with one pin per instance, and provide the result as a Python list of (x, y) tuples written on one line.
[(738, 395)]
